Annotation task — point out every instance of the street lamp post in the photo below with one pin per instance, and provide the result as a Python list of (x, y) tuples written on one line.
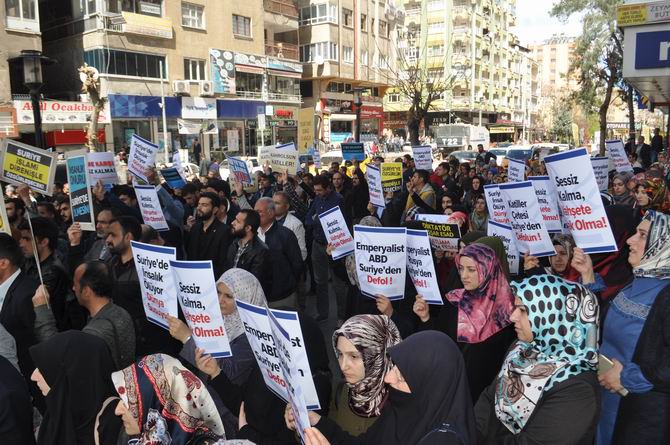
[(358, 102)]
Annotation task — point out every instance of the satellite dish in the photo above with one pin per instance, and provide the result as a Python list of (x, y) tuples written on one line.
[(319, 60)]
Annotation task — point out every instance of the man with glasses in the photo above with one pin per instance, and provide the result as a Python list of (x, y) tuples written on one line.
[(86, 246)]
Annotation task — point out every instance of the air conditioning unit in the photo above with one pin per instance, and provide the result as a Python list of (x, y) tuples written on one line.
[(206, 88), (181, 87)]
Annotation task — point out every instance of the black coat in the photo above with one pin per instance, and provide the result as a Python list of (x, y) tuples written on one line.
[(254, 260), (285, 262), (18, 317), (16, 412), (210, 245)]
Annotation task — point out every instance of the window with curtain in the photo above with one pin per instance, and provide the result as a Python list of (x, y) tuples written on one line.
[(241, 25)]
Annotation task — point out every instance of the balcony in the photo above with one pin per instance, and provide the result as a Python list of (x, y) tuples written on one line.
[(282, 50), (287, 8), (281, 97), (249, 94)]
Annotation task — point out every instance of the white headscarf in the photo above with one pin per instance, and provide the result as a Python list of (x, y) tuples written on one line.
[(244, 287)]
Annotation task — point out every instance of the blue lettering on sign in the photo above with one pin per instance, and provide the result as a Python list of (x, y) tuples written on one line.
[(652, 50)]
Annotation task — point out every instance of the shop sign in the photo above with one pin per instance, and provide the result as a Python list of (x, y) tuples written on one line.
[(501, 130), (60, 112), (372, 112), (250, 60), (622, 125), (198, 108), (652, 49), (283, 65), (337, 105), (147, 25), (641, 13), (282, 113), (222, 71)]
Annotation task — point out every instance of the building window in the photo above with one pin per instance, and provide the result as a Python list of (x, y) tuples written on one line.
[(339, 87), (323, 50), (241, 26), (193, 16), (383, 62), (364, 58), (347, 54), (435, 50), (348, 17), (383, 29), (21, 9), (285, 86), (318, 13), (393, 98), (247, 82), (364, 23), (124, 63), (146, 7), (194, 69)]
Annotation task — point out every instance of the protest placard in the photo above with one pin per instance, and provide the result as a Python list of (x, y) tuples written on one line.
[(159, 295), (496, 204), (150, 207), (423, 157), (391, 176), (353, 151), (617, 152), (199, 301), (526, 220), (580, 202), (381, 261), (25, 164), (81, 201), (506, 235), (600, 170), (434, 218), (173, 178), (374, 178), (337, 233), (4, 221), (288, 146), (546, 199), (516, 170), (316, 157), (142, 156), (259, 333), (239, 170), (420, 266), (279, 159), (443, 236), (101, 167)]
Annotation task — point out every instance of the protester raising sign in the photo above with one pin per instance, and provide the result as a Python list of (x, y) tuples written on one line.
[(159, 296), (420, 266), (617, 152), (262, 342), (142, 156), (507, 237), (496, 203), (374, 178), (280, 158), (516, 170), (600, 170), (239, 170), (546, 199), (580, 202), (173, 178), (337, 232), (25, 164), (150, 207), (443, 236), (391, 176), (199, 301), (526, 220), (81, 202), (353, 151), (423, 157), (381, 261), (101, 167)]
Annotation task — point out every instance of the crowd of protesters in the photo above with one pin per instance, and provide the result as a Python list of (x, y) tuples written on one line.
[(509, 358)]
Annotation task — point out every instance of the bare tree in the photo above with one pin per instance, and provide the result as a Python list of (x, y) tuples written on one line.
[(91, 85)]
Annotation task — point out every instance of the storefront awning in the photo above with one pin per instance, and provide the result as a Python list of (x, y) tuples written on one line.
[(249, 69), (343, 117), (284, 74)]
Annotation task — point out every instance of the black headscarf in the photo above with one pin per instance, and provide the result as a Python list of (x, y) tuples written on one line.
[(77, 366), (357, 199), (432, 365)]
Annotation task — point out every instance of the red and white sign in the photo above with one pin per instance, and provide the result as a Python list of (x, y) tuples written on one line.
[(60, 112)]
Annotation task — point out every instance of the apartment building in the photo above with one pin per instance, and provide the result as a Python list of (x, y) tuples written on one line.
[(554, 56), (347, 45)]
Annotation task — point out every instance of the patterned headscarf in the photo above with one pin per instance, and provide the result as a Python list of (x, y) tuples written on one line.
[(171, 405), (486, 310), (564, 318), (372, 335), (245, 287), (655, 262)]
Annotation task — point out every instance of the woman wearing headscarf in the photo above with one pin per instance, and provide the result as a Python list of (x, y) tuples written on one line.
[(163, 403), (476, 189), (479, 217), (476, 316), (619, 192), (356, 200), (72, 370), (651, 193), (546, 390), (428, 400), (360, 346), (635, 339)]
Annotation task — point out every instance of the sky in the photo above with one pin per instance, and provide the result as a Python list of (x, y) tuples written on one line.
[(534, 24)]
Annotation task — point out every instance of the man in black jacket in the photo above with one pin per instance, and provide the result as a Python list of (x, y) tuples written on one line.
[(247, 251), (208, 238), (285, 257)]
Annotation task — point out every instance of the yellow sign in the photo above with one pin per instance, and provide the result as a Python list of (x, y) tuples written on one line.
[(305, 129), (630, 15), (25, 164), (4, 222), (500, 130), (391, 176)]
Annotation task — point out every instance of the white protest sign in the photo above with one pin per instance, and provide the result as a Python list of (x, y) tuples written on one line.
[(336, 231), (159, 296), (507, 237), (530, 233), (420, 266), (600, 170), (374, 178), (616, 151), (259, 333), (199, 301), (101, 167), (546, 198), (423, 157), (381, 261), (316, 157), (280, 158), (516, 170), (434, 218), (150, 207), (496, 204), (580, 202), (142, 156)]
